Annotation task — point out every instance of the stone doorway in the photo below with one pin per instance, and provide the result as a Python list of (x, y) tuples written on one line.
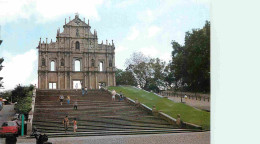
[(76, 84), (52, 86)]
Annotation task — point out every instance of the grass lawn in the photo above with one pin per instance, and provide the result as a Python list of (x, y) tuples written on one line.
[(188, 113)]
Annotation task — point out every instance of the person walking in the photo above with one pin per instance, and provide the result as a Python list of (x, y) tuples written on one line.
[(113, 95), (61, 99), (120, 96), (83, 91), (75, 127), (75, 106), (86, 90), (66, 123), (68, 99)]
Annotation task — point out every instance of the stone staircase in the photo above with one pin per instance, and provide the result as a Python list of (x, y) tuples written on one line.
[(97, 115)]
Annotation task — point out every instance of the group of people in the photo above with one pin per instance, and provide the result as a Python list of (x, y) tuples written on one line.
[(84, 91), (75, 105), (66, 124), (121, 97)]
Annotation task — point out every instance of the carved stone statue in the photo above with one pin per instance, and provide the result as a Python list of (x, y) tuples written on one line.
[(43, 62), (77, 32), (62, 62)]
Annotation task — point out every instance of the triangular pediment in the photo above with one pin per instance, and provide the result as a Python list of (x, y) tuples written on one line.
[(77, 22)]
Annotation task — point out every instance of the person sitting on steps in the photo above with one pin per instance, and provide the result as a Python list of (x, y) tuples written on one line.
[(121, 96), (68, 99), (75, 107), (61, 99)]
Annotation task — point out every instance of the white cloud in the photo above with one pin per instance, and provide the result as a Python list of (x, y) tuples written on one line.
[(149, 51), (133, 34), (19, 68), (45, 10), (125, 3), (205, 2), (120, 49), (166, 56), (153, 30), (147, 16)]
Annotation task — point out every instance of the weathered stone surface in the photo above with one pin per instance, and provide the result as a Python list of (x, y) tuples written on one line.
[(76, 44)]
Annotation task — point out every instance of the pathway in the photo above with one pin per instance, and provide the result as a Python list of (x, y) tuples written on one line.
[(179, 138), (204, 105), (5, 115)]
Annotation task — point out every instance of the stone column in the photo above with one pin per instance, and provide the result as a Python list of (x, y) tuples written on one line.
[(114, 80), (107, 79), (70, 83), (46, 80), (65, 80), (96, 81), (39, 80), (58, 80), (89, 80), (85, 79)]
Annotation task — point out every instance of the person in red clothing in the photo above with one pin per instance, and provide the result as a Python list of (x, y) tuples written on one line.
[(75, 127)]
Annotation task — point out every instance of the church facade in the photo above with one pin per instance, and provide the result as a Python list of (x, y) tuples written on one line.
[(76, 59)]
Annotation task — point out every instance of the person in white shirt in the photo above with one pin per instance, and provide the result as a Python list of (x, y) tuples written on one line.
[(86, 90), (113, 95)]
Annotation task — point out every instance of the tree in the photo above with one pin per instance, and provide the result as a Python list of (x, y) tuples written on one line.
[(137, 65), (23, 96), (1, 66), (148, 72), (191, 62), (125, 78)]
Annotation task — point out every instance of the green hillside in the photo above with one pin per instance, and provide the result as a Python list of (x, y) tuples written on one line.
[(188, 113)]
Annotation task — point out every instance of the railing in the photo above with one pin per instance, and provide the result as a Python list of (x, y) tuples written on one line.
[(193, 96), (30, 115)]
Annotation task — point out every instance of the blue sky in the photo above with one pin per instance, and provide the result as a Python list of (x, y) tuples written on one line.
[(147, 26)]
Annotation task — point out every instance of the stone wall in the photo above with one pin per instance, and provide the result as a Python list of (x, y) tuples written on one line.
[(76, 43)]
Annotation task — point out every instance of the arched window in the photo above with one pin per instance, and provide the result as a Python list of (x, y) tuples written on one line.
[(77, 45), (43, 62), (62, 62), (92, 62), (52, 66), (110, 63), (101, 66), (77, 65)]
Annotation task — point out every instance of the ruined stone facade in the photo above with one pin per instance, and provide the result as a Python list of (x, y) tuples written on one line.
[(75, 58)]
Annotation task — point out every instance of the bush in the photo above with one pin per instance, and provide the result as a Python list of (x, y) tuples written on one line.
[(24, 105), (23, 96)]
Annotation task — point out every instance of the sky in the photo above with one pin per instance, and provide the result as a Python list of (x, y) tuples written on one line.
[(146, 26)]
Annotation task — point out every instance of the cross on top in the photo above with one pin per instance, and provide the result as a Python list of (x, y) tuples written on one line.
[(77, 18), (77, 14)]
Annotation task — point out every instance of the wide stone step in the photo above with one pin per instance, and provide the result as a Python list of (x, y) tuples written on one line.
[(97, 104), (91, 129), (48, 128), (142, 119), (107, 122), (97, 115), (106, 133)]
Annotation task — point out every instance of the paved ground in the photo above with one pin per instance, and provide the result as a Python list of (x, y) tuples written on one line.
[(204, 105), (188, 138), (6, 113)]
